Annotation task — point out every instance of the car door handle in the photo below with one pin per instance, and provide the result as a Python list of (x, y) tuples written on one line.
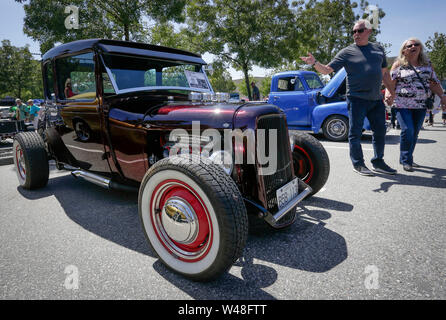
[(276, 98)]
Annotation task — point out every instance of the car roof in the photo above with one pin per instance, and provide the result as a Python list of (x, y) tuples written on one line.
[(293, 73), (128, 47)]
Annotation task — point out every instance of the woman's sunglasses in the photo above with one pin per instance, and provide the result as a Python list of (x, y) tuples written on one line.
[(358, 31), (412, 45)]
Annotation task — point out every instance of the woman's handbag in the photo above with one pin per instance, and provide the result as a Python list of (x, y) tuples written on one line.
[(429, 102)]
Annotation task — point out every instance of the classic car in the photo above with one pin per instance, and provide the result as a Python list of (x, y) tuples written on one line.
[(140, 118), (310, 106)]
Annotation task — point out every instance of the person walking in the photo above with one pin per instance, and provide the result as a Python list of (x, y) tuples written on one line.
[(33, 112), (255, 92), (366, 66), (413, 81)]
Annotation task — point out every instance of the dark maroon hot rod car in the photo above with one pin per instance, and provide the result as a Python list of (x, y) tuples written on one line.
[(144, 118)]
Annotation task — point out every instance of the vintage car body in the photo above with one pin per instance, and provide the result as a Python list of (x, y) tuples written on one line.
[(310, 106), (114, 128)]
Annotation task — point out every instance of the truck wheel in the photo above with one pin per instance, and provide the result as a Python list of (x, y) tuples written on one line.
[(310, 161), (193, 216), (30, 160), (335, 128)]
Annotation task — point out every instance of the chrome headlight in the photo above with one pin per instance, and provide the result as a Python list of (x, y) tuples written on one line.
[(195, 96), (207, 96), (224, 160), (222, 97)]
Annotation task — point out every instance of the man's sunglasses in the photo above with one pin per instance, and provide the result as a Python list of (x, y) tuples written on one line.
[(412, 45), (358, 31)]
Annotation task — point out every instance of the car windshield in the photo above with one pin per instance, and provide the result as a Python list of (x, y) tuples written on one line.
[(313, 81), (130, 73)]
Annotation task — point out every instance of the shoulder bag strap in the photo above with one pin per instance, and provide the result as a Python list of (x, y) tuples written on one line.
[(419, 78)]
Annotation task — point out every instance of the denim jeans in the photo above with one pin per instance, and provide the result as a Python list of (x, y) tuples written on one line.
[(411, 121), (375, 111)]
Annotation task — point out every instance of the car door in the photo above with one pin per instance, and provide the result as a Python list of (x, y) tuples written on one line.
[(291, 97), (82, 130)]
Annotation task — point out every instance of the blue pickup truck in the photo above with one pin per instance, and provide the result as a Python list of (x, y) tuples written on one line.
[(311, 106)]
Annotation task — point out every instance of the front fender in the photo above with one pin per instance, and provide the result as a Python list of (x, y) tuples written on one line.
[(323, 111)]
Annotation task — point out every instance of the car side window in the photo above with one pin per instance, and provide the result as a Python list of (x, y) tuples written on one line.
[(313, 81), (290, 84), (76, 77), (49, 79)]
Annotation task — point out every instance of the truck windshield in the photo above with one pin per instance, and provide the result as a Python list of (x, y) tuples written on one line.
[(130, 73), (313, 81)]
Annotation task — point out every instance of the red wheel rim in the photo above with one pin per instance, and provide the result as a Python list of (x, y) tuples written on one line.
[(303, 166), (20, 162), (197, 246)]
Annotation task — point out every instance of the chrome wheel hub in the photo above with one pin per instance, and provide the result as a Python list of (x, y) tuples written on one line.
[(337, 128), (179, 221)]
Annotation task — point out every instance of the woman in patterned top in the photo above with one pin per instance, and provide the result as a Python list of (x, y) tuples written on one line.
[(410, 95)]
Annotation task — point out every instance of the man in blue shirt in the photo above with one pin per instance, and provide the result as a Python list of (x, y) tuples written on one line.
[(366, 66), (33, 112)]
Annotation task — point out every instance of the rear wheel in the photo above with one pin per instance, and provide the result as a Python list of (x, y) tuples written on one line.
[(310, 161), (193, 216), (30, 160)]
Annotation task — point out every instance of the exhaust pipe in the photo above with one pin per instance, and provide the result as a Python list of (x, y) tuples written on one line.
[(93, 178), (103, 182)]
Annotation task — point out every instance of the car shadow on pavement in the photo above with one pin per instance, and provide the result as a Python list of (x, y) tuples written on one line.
[(437, 179), (109, 214), (306, 245)]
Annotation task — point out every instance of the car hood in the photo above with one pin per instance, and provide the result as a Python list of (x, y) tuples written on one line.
[(333, 85)]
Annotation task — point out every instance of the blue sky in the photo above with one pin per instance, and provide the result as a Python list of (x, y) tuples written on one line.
[(404, 19)]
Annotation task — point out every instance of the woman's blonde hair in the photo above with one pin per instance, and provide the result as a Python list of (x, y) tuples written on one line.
[(422, 57)]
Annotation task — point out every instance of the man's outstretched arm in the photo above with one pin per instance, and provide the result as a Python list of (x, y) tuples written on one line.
[(322, 68)]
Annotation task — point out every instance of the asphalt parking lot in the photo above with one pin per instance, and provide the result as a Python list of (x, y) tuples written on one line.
[(379, 237)]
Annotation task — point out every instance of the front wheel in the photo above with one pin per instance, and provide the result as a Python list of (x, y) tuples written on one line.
[(310, 161), (335, 128), (193, 216)]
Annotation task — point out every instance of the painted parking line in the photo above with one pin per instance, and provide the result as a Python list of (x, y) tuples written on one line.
[(344, 148)]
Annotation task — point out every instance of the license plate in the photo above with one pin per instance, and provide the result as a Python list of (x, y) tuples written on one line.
[(287, 193)]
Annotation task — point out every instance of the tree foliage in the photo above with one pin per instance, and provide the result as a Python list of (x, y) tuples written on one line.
[(437, 53), (220, 78), (20, 74), (324, 27), (118, 19), (242, 33)]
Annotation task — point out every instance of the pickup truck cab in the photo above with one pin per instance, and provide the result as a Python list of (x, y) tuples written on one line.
[(310, 106)]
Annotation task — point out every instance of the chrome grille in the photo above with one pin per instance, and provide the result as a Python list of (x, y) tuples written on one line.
[(284, 173)]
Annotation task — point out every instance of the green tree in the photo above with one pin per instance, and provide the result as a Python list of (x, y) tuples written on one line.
[(265, 86), (324, 27), (242, 33), (437, 53), (220, 78), (19, 72), (118, 19)]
